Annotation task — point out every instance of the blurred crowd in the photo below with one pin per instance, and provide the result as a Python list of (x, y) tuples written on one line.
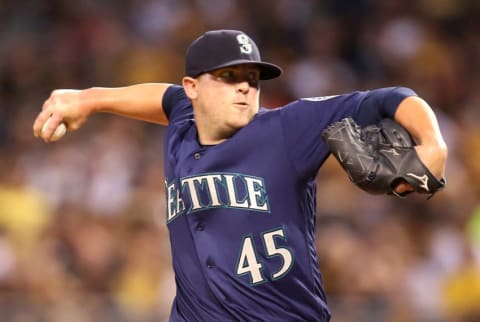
[(82, 221)]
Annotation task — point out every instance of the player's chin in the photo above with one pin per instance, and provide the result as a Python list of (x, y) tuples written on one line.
[(242, 120)]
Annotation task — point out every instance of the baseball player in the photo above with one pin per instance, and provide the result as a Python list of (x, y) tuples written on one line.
[(240, 179)]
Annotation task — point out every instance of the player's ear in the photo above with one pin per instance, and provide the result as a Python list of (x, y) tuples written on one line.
[(190, 86)]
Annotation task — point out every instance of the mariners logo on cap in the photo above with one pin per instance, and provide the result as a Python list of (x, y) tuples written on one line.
[(245, 45), (221, 48)]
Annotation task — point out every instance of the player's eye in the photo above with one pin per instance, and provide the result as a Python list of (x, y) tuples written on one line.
[(228, 76), (253, 78), (233, 76)]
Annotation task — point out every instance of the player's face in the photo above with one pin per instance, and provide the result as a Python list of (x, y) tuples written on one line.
[(228, 98)]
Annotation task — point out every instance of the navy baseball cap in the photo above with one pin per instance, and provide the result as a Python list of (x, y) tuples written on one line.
[(222, 48)]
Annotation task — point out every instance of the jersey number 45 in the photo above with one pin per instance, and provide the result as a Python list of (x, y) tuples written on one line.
[(248, 262)]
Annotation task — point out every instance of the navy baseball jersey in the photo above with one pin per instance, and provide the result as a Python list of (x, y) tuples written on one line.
[(241, 214)]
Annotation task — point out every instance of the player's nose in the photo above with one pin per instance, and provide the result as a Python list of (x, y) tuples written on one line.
[(243, 87)]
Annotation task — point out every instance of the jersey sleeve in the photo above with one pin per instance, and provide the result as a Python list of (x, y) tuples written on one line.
[(176, 104), (381, 103), (304, 120)]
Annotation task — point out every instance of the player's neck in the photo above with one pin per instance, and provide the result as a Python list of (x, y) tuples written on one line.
[(212, 135), (209, 140), (207, 130)]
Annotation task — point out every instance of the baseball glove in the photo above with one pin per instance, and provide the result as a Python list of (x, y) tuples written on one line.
[(378, 157)]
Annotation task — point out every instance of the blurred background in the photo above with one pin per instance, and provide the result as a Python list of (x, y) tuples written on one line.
[(82, 221)]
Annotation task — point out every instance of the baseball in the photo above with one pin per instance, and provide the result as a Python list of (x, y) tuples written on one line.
[(59, 131)]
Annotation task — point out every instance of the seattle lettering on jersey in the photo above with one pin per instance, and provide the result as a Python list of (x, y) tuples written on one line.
[(212, 190)]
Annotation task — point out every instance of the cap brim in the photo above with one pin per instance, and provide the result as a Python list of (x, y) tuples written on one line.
[(267, 70)]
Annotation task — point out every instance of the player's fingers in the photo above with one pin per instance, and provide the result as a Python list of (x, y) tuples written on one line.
[(48, 108), (39, 122), (50, 125), (43, 116)]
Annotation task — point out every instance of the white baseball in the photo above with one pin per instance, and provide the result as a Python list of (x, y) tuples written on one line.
[(59, 131)]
